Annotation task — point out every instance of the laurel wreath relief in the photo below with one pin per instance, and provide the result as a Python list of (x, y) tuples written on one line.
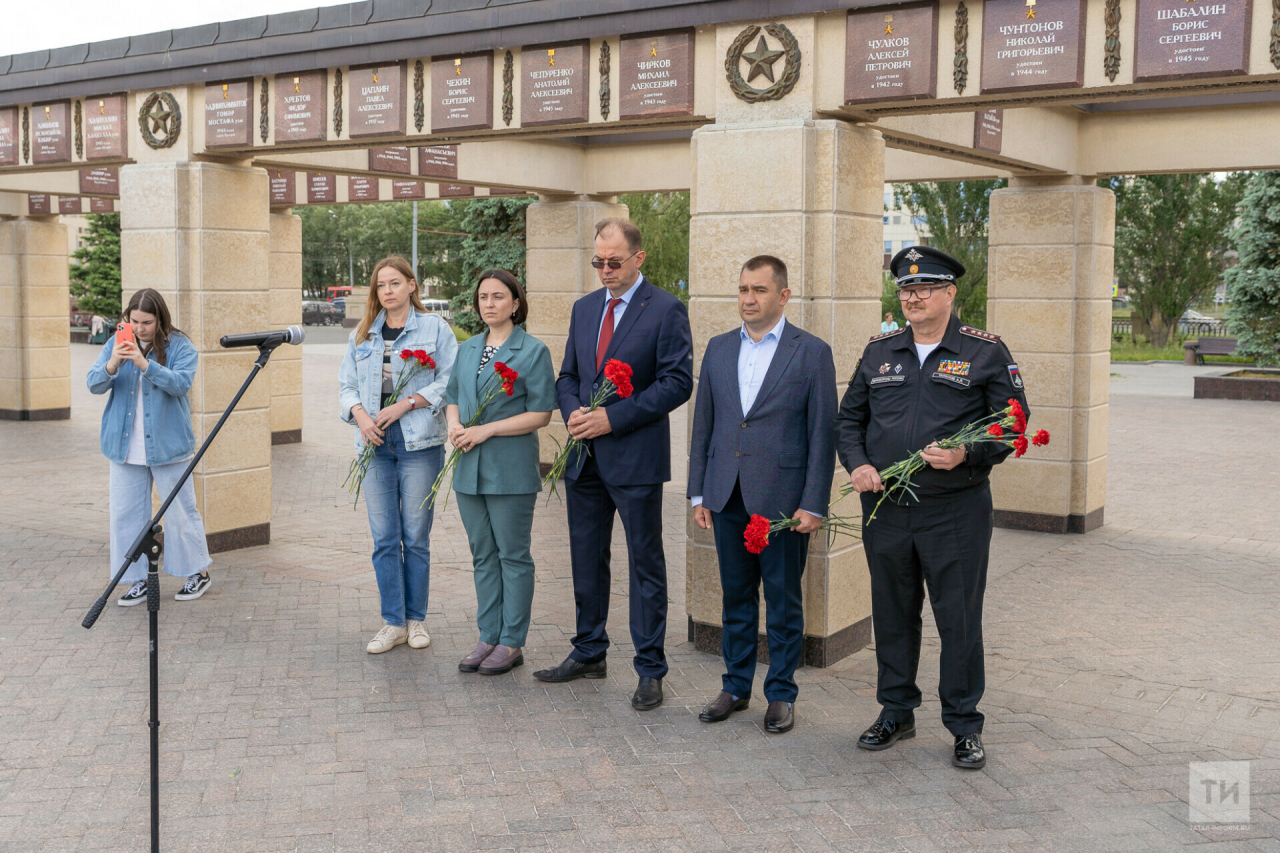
[(173, 123), (960, 73), (790, 75)]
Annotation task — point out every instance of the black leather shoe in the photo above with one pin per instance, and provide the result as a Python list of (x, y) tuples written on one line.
[(571, 670), (648, 694), (883, 733), (969, 752), (779, 718), (719, 708)]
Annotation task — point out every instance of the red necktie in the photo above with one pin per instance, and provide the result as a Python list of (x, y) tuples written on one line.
[(606, 333)]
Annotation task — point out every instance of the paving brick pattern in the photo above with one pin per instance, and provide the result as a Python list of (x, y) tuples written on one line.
[(1114, 659)]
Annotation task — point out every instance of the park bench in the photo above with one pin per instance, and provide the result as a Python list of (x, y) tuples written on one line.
[(1195, 352)]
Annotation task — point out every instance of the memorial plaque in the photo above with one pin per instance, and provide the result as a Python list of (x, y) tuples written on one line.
[(655, 75), (554, 83), (284, 187), (9, 147), (362, 189), (38, 204), (891, 53), (438, 161), (322, 188), (456, 191), (462, 92), (1191, 39), (228, 115), (988, 130), (104, 181), (408, 189), (301, 108), (105, 135), (394, 160), (102, 205), (70, 204), (377, 100), (1032, 44), (505, 191), (50, 136)]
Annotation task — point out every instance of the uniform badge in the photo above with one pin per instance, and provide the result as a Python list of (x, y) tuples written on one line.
[(884, 368), (914, 255), (1015, 376), (955, 368), (897, 368)]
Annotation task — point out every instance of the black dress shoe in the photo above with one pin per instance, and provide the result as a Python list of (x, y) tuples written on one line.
[(719, 708), (883, 733), (969, 752), (779, 718), (572, 670), (648, 694)]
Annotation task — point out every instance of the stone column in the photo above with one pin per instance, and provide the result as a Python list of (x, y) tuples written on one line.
[(200, 233), (811, 193), (560, 240), (35, 331), (1049, 297), (284, 267)]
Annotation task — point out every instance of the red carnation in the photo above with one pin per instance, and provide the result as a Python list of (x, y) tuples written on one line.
[(1041, 438), (1015, 409), (501, 367), (1019, 446), (1020, 424), (617, 372), (407, 354), (625, 390), (995, 429), (757, 534)]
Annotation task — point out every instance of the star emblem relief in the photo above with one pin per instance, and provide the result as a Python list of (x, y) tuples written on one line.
[(159, 118), (761, 61)]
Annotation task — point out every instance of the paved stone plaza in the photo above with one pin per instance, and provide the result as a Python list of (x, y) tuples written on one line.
[(1114, 659)]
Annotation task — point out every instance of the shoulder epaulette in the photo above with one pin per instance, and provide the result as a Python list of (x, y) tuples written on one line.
[(979, 333), (886, 335)]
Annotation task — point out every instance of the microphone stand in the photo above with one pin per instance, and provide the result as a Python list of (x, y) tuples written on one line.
[(150, 542)]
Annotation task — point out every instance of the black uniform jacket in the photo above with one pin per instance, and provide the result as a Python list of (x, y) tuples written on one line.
[(895, 406)]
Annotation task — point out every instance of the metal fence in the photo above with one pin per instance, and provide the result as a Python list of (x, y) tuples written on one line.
[(1187, 328)]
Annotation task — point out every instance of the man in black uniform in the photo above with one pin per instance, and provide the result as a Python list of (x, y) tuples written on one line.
[(912, 388)]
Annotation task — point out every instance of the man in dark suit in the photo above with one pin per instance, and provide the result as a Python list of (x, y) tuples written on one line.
[(630, 453), (763, 444)]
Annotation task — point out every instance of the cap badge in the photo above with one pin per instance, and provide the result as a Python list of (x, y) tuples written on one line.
[(914, 269), (914, 255)]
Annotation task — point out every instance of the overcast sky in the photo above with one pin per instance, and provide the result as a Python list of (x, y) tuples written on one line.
[(37, 24)]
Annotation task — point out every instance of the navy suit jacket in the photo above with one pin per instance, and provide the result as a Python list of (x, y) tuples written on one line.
[(653, 337), (782, 452)]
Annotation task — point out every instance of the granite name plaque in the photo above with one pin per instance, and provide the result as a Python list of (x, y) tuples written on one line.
[(456, 191), (393, 160), (1032, 44), (891, 54), (988, 130), (408, 189), (322, 188), (553, 84), (102, 205), (227, 113), (9, 136), (70, 205), (105, 135), (438, 161), (38, 204), (284, 187), (360, 188), (1191, 39), (301, 108), (50, 137), (105, 181), (462, 92), (655, 75), (377, 100)]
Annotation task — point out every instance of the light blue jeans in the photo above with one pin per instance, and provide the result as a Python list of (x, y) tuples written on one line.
[(185, 551), (397, 483)]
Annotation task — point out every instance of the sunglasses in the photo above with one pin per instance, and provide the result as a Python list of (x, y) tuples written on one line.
[(613, 265)]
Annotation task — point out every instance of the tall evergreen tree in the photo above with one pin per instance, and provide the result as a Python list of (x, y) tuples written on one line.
[(1253, 285), (495, 240), (95, 275)]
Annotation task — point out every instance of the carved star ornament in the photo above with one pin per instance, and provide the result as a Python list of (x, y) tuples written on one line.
[(159, 120), (762, 61)]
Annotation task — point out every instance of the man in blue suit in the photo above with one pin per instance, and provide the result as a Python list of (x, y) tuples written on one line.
[(763, 444), (630, 453)]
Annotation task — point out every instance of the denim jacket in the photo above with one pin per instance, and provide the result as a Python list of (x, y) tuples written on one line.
[(166, 410), (360, 377)]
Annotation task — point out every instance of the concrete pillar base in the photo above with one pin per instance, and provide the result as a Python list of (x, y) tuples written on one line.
[(35, 414), (1039, 522), (817, 651), (240, 537), (286, 436)]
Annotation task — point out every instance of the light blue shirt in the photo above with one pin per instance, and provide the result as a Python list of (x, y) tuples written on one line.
[(620, 308), (754, 359)]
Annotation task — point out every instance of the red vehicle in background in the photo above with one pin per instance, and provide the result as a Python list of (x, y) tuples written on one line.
[(340, 290)]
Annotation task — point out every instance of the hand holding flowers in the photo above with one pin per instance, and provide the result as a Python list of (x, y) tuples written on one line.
[(617, 380), (465, 437), (393, 408)]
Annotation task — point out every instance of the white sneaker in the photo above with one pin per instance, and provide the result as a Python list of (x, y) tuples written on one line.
[(418, 638), (388, 638)]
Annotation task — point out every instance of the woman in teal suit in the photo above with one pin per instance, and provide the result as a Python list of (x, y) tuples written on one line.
[(497, 478)]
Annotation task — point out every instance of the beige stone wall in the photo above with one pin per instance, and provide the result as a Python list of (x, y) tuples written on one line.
[(1049, 297), (35, 336), (284, 277)]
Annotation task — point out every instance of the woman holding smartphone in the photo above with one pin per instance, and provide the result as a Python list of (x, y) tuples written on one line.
[(147, 367)]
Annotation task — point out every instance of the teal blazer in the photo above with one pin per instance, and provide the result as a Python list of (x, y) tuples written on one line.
[(505, 464)]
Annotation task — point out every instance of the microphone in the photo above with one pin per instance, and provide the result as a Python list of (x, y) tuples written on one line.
[(265, 340)]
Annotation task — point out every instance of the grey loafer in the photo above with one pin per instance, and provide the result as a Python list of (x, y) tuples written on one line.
[(472, 662)]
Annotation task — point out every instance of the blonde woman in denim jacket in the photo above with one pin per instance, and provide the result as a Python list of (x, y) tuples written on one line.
[(408, 436)]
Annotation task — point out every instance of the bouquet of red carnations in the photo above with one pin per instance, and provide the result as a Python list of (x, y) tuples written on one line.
[(415, 361), (507, 385), (617, 380)]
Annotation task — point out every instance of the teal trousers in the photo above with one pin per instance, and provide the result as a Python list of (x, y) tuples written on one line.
[(499, 528)]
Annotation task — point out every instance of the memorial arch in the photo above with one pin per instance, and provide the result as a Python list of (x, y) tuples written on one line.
[(784, 130)]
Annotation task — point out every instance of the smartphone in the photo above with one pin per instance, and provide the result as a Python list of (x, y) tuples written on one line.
[(124, 332)]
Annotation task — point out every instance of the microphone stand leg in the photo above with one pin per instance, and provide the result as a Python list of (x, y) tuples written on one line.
[(152, 548)]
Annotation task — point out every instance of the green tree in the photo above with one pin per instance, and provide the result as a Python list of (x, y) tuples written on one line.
[(955, 216), (663, 219), (495, 240), (1253, 285), (889, 303), (95, 275), (1172, 232)]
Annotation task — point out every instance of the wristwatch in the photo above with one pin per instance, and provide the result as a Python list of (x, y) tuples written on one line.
[(413, 402)]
